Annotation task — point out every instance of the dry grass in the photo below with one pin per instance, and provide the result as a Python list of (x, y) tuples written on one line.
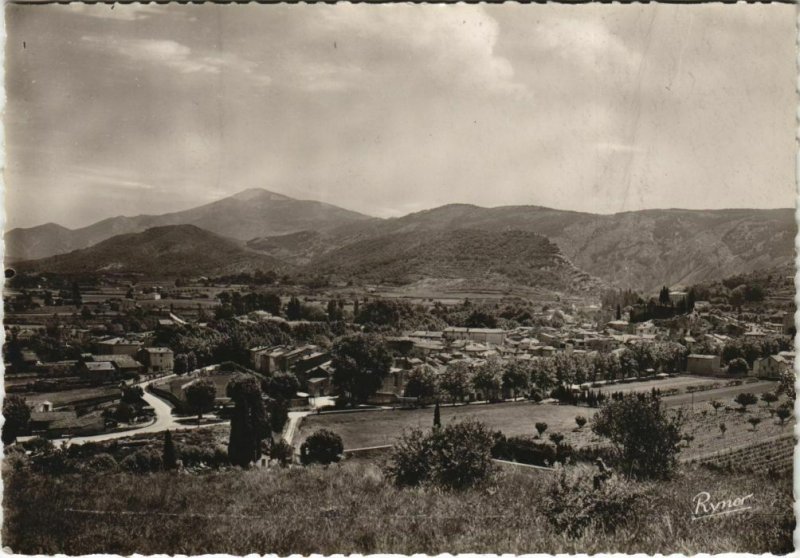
[(350, 508)]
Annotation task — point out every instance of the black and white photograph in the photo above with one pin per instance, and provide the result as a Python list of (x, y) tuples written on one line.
[(399, 278)]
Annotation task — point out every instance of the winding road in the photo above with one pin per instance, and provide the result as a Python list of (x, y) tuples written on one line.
[(165, 420)]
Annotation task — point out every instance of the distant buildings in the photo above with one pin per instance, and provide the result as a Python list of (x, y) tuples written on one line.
[(157, 360), (478, 335)]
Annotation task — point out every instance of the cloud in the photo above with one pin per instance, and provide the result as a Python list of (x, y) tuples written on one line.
[(107, 179), (588, 44), (175, 55), (450, 44), (118, 12)]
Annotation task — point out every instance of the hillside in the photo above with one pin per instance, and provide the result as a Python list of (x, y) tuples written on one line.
[(248, 214), (160, 251), (465, 258), (639, 250)]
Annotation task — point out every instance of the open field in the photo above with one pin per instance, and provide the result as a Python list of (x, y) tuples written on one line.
[(351, 508), (70, 397), (377, 428)]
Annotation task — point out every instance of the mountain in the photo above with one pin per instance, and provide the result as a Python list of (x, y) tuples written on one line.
[(248, 214), (462, 259), (160, 251), (639, 250)]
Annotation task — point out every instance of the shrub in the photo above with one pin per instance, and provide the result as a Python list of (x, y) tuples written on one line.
[(282, 451), (456, 456), (744, 399), (580, 420), (142, 461), (528, 451), (323, 446), (541, 427), (101, 462), (572, 503)]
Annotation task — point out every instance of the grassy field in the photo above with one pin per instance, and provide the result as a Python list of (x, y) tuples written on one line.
[(383, 427), (377, 428), (351, 508), (71, 396)]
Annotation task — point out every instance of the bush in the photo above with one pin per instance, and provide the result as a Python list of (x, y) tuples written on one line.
[(572, 503), (456, 456), (101, 462), (323, 446), (142, 461), (282, 451), (528, 451)]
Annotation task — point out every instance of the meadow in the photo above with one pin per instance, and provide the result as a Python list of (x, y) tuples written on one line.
[(352, 508)]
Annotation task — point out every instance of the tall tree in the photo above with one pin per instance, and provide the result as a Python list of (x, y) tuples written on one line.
[(77, 299), (437, 416), (169, 456), (249, 422), (294, 309)]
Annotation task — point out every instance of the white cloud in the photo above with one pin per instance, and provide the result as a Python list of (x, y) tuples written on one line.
[(176, 56), (586, 43)]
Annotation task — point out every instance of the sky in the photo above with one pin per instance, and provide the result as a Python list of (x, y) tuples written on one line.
[(391, 109)]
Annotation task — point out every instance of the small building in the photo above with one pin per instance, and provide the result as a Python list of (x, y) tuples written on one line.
[(99, 372), (125, 364), (704, 365), (157, 360)]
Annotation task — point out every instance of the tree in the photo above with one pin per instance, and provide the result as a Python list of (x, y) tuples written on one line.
[(783, 412), (437, 417), (181, 364), (479, 318), (422, 383), (516, 378), (281, 385), (690, 300), (335, 313), (646, 437), (456, 380), (249, 421), (541, 427), (17, 417), (580, 420), (716, 405), (191, 361), (722, 428), (323, 446), (769, 398), (744, 399), (124, 412), (293, 309), (663, 296), (754, 422), (77, 299), (557, 438), (169, 457), (360, 364), (488, 379), (200, 396), (618, 315), (132, 394), (738, 366), (787, 383)]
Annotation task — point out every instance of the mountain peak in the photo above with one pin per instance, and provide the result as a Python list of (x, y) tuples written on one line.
[(259, 193)]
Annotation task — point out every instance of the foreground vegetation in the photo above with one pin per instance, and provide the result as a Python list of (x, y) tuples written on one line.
[(351, 507)]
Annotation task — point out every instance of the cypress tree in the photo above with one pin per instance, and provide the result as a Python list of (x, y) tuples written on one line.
[(169, 457), (437, 418)]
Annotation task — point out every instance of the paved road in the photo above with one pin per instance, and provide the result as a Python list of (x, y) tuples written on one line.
[(165, 420)]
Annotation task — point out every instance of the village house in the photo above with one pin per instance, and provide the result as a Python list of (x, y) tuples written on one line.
[(157, 360), (703, 365), (773, 366), (125, 364)]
